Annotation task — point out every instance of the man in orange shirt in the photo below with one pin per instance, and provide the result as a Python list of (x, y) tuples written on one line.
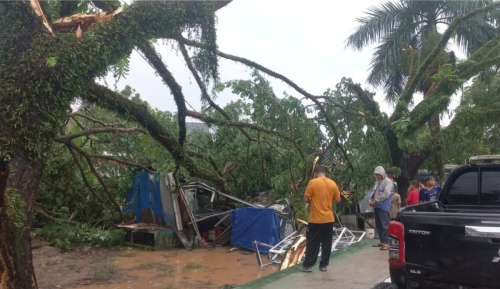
[(321, 193)]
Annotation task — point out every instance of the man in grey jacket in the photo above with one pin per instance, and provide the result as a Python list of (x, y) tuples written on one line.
[(381, 201)]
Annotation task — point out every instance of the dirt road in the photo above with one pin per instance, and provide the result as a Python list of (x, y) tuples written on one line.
[(87, 268)]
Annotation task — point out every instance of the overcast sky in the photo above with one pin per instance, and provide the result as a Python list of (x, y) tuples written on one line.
[(304, 40)]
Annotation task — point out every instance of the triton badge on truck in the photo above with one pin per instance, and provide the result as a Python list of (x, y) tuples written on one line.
[(419, 232)]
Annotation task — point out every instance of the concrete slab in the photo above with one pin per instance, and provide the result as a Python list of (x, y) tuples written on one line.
[(357, 266)]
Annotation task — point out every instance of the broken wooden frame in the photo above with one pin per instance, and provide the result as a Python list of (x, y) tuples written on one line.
[(279, 253)]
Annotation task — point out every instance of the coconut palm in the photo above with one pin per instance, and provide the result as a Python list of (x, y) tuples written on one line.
[(416, 24)]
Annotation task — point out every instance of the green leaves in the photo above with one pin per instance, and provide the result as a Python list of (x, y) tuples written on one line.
[(121, 68), (67, 235), (51, 61), (393, 24)]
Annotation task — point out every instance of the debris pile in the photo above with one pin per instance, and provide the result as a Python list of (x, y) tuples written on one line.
[(196, 213)]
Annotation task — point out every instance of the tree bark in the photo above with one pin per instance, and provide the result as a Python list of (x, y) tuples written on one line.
[(435, 128), (19, 180)]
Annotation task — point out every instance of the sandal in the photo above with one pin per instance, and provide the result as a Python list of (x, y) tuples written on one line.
[(384, 248), (378, 245)]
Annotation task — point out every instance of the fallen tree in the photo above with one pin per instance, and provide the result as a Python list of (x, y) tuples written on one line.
[(44, 70)]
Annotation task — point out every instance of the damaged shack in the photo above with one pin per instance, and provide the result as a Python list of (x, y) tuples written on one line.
[(197, 215)]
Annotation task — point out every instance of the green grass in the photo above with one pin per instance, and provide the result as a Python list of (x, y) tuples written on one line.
[(75, 268), (128, 254), (192, 266), (71, 256), (98, 277), (164, 270)]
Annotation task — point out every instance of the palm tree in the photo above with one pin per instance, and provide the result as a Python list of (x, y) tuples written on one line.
[(416, 24)]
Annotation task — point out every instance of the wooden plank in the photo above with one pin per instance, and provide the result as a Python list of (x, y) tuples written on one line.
[(297, 250)]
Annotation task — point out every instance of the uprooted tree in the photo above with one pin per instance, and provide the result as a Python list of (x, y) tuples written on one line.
[(48, 62)]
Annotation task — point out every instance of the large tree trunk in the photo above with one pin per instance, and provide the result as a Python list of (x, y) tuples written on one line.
[(409, 165), (19, 179), (435, 127)]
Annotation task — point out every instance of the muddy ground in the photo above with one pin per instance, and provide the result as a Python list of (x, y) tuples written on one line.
[(128, 268)]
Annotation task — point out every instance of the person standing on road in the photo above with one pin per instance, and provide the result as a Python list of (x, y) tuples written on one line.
[(431, 191), (390, 176), (413, 194), (321, 193), (381, 201), (396, 198), (421, 189), (395, 206)]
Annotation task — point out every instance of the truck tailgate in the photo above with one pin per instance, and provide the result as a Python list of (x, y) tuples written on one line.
[(447, 247)]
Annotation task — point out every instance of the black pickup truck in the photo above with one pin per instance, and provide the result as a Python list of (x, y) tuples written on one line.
[(453, 242)]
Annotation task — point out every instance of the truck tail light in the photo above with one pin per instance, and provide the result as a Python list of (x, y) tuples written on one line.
[(396, 245)]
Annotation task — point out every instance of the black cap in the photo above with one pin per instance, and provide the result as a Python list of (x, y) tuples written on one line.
[(389, 172)]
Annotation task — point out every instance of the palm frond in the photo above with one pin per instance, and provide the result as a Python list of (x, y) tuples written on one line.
[(386, 58), (459, 8), (378, 23), (394, 86), (472, 34)]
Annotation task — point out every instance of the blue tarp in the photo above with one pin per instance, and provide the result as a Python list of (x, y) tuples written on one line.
[(255, 224), (135, 207), (146, 195)]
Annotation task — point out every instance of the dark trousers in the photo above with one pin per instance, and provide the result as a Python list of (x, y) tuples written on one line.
[(318, 234), (382, 219)]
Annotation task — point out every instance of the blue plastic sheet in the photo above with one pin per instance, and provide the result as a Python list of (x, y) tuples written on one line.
[(144, 190), (255, 224), (135, 207), (145, 194), (155, 197)]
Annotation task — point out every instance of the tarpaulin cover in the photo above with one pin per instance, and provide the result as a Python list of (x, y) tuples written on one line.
[(145, 194), (255, 224), (135, 207)]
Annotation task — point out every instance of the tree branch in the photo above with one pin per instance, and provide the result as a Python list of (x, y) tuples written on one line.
[(440, 97), (205, 96), (412, 84), (370, 105), (155, 61), (476, 116), (108, 99), (106, 6), (125, 162), (203, 89), (207, 158), (283, 78), (84, 177), (74, 114), (208, 119), (38, 210), (69, 137), (111, 198)]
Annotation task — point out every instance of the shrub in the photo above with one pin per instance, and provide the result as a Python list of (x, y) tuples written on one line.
[(66, 235)]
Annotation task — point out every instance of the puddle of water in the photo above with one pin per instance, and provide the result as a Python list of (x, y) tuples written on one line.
[(200, 268)]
